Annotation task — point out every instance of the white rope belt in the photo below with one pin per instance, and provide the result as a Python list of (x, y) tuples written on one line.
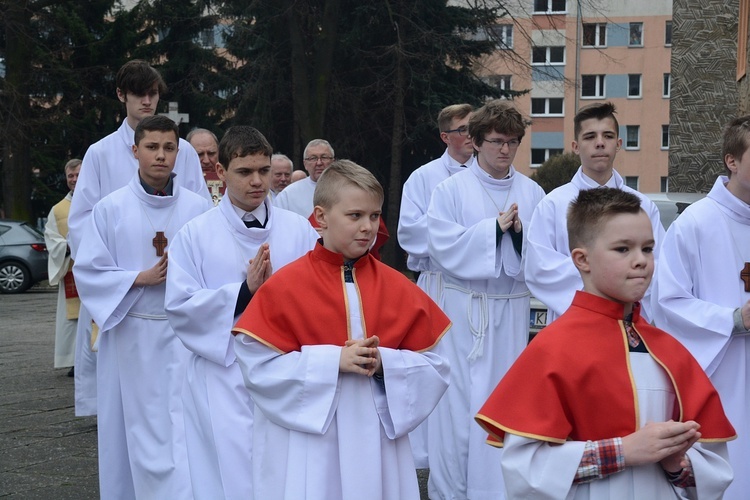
[(479, 331), (434, 279), (158, 317)]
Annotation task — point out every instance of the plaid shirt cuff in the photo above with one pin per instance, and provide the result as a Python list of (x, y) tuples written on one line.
[(600, 459), (684, 478)]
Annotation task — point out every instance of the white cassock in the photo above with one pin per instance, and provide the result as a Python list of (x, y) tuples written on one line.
[(297, 197), (207, 265), (108, 165), (347, 436), (697, 288), (412, 237), (141, 363), (58, 265), (550, 273), (536, 469), (487, 300)]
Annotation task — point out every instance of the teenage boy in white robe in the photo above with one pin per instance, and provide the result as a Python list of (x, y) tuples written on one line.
[(453, 122), (60, 272), (702, 290), (217, 263), (475, 224), (120, 270), (550, 273), (107, 166)]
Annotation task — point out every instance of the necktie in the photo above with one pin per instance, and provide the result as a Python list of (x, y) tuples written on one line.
[(253, 223), (161, 193)]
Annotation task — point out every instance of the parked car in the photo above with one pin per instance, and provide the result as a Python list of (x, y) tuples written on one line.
[(23, 256), (670, 206)]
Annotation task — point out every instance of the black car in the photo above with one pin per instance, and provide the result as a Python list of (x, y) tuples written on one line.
[(23, 256)]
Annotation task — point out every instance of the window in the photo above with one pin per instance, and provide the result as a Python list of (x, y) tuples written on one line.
[(664, 184), (539, 155), (667, 86), (595, 35), (548, 55), (503, 82), (592, 85), (668, 33), (631, 181), (633, 137), (206, 38), (634, 85), (636, 35), (547, 106), (665, 136), (549, 6), (504, 36)]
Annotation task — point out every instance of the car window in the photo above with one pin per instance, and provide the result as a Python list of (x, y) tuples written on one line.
[(4, 229), (32, 230)]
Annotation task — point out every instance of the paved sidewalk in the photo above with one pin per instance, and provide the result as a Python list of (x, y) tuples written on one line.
[(45, 451)]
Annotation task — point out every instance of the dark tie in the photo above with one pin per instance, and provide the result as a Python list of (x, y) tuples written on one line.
[(253, 223), (161, 193)]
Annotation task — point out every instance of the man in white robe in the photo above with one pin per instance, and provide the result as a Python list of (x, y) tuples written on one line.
[(702, 296), (297, 197), (475, 224), (59, 269), (453, 123), (209, 284), (107, 166), (550, 273), (121, 270)]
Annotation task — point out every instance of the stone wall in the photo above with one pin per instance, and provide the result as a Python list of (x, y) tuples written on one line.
[(704, 94)]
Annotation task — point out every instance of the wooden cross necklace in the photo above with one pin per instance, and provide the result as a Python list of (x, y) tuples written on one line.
[(745, 271), (160, 240)]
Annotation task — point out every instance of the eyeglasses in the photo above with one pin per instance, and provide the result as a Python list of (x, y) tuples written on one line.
[(499, 143), (463, 131), (315, 159)]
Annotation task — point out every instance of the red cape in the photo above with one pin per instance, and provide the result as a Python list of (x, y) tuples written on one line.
[(573, 381), (304, 303), (380, 239)]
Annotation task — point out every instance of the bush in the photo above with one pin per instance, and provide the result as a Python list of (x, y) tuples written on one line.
[(556, 171)]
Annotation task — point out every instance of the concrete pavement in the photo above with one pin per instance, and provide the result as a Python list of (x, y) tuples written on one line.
[(45, 451)]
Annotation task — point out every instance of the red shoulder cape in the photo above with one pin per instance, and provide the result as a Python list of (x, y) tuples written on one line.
[(304, 303), (573, 381)]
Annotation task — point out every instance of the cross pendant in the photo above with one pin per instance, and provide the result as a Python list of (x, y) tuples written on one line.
[(160, 243), (745, 276)]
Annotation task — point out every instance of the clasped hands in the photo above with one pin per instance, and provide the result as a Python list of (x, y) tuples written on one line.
[(361, 356)]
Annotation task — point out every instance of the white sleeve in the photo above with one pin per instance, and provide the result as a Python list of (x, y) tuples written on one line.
[(88, 193), (412, 222), (57, 246)]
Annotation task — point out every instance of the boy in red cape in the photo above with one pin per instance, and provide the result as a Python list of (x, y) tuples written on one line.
[(340, 379), (601, 404)]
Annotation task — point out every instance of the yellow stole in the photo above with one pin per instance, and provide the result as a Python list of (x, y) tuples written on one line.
[(72, 302)]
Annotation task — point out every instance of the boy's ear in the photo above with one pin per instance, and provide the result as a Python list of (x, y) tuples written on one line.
[(135, 151), (320, 217), (220, 171), (580, 258), (120, 95), (731, 162)]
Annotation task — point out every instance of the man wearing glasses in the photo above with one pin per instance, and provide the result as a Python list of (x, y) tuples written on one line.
[(475, 225), (298, 196)]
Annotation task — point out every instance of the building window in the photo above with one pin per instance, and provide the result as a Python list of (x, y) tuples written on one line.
[(665, 136), (631, 181), (668, 34), (634, 85), (636, 35), (546, 106), (540, 155), (664, 184), (595, 35), (548, 55), (503, 82), (592, 86), (633, 137), (549, 6), (667, 85), (504, 36)]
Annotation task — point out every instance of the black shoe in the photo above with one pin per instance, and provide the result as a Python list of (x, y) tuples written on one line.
[(71, 372)]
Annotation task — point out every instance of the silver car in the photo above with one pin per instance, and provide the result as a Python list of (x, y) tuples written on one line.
[(23, 256)]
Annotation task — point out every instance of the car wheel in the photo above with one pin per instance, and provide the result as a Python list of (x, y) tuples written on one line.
[(14, 277)]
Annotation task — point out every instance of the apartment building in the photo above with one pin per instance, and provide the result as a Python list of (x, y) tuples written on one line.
[(567, 54)]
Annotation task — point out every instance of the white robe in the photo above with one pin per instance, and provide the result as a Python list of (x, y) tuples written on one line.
[(297, 197), (141, 362), (697, 289), (325, 435), (487, 300), (550, 273), (207, 265), (536, 469), (57, 267), (412, 237), (107, 166)]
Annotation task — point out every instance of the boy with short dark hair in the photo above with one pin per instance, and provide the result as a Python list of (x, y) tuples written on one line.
[(601, 404), (120, 271), (550, 274), (343, 377)]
